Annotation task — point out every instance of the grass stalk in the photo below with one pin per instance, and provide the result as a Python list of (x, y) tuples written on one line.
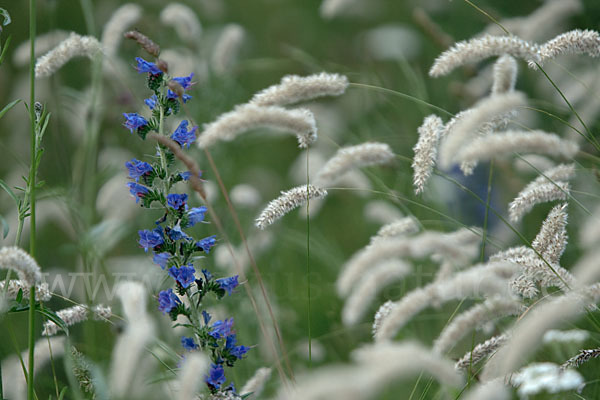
[(308, 257), (31, 188)]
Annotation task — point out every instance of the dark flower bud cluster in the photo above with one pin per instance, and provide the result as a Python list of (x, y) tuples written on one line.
[(171, 242)]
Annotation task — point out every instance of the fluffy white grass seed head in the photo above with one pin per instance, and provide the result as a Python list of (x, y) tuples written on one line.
[(194, 366), (464, 131), (573, 42), (256, 384), (529, 163), (74, 46), (529, 331), (487, 279), (511, 141), (129, 347), (551, 240), (287, 202), (481, 351), (294, 89), (476, 316), (362, 155), (13, 379), (537, 194), (478, 49), (545, 377), (570, 336), (119, 22), (43, 44), (74, 315), (227, 48), (505, 74), (401, 227), (18, 260), (183, 19), (494, 390), (365, 291), (426, 151), (459, 246), (42, 293), (246, 117), (375, 367)]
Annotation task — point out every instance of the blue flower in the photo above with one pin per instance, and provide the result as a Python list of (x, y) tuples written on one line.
[(186, 83), (206, 316), (184, 275), (167, 300), (206, 243), (151, 102), (150, 239), (176, 201), (196, 215), (221, 328), (207, 274), (236, 351), (183, 136), (147, 66), (188, 343), (216, 376), (228, 284), (134, 121), (138, 168), (138, 191), (175, 233), (187, 174), (161, 259)]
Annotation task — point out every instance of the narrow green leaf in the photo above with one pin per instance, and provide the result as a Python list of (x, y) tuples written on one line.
[(9, 105), (63, 392), (19, 296), (8, 190), (52, 316), (5, 227), (4, 48)]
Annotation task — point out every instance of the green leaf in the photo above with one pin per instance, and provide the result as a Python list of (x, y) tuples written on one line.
[(63, 392), (8, 190), (19, 296), (4, 48), (9, 105), (52, 316), (5, 227)]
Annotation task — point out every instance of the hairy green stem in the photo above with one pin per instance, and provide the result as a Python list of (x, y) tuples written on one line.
[(31, 187)]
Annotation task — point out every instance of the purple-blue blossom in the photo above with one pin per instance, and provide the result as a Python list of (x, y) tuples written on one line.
[(236, 351), (147, 66), (206, 244), (228, 284), (184, 275), (206, 317), (138, 191), (151, 102), (138, 169), (216, 376), (188, 343), (161, 259), (196, 215), (183, 136), (176, 201), (186, 83), (150, 239), (167, 300), (221, 328), (133, 121), (175, 233)]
